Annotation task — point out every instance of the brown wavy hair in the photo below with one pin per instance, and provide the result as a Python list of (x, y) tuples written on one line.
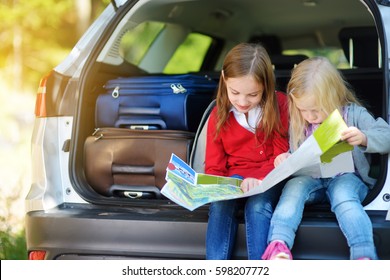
[(250, 59)]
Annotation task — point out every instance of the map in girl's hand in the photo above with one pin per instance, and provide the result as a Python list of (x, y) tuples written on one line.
[(321, 155)]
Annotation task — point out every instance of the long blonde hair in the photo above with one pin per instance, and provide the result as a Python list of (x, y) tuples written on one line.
[(317, 77), (250, 59)]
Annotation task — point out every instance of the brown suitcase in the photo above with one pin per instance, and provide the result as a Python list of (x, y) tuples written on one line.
[(132, 163)]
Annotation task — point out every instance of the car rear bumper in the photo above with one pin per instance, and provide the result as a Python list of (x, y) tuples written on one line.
[(77, 231)]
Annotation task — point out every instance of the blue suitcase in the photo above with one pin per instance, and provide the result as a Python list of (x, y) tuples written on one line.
[(174, 102)]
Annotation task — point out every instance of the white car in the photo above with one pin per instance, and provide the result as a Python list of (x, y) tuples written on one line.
[(69, 217)]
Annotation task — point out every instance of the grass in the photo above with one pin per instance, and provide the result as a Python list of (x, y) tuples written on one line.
[(12, 246)]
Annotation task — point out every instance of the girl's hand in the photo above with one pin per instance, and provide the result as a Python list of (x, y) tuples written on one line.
[(280, 158), (249, 183), (353, 136)]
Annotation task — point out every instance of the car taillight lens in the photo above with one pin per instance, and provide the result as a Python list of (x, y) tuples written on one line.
[(40, 103), (37, 255)]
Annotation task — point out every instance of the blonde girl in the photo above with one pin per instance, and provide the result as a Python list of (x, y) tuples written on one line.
[(315, 90)]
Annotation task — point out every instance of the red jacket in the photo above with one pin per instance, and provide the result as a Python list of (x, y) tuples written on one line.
[(236, 151)]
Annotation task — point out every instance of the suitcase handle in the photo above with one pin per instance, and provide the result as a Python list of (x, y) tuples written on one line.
[(150, 123), (136, 192), (135, 195)]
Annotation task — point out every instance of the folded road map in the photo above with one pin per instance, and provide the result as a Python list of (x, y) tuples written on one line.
[(322, 155)]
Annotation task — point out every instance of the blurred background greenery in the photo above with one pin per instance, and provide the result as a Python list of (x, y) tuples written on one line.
[(35, 36)]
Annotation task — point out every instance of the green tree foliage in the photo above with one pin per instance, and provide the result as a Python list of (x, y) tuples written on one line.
[(12, 246), (37, 34)]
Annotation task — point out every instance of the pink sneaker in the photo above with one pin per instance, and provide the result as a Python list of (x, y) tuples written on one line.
[(363, 259), (277, 250)]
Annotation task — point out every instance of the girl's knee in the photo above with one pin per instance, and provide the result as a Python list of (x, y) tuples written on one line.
[(297, 184), (224, 207), (264, 208), (339, 196)]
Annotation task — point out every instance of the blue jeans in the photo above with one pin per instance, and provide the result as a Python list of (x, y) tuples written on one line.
[(223, 223), (344, 193)]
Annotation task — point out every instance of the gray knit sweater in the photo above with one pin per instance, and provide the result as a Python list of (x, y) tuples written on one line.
[(378, 139)]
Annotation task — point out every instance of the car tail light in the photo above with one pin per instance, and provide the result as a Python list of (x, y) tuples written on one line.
[(40, 103), (37, 255)]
